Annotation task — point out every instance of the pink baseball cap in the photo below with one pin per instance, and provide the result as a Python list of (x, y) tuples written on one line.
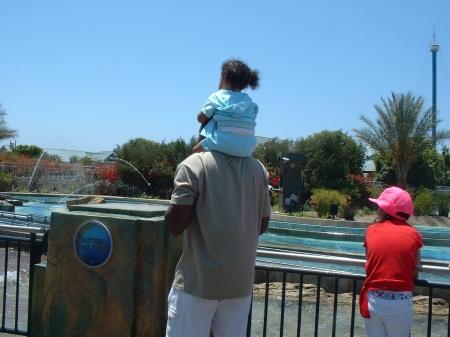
[(395, 202)]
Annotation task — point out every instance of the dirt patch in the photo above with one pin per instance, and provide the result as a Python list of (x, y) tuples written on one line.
[(439, 306)]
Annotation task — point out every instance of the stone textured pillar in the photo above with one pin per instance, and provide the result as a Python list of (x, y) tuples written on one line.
[(126, 296)]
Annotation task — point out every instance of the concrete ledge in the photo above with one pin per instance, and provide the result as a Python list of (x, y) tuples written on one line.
[(143, 210), (318, 235), (356, 236), (106, 197), (320, 221)]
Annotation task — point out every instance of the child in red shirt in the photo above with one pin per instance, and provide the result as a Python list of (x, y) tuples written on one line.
[(392, 252)]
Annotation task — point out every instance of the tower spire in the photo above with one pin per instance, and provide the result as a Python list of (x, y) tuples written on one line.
[(434, 48)]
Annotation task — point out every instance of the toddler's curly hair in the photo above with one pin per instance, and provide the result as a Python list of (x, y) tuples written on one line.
[(239, 75)]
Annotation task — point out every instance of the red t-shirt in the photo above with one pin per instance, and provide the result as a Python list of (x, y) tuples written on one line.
[(391, 260)]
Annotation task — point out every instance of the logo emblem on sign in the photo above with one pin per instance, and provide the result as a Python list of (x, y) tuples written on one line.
[(93, 244)]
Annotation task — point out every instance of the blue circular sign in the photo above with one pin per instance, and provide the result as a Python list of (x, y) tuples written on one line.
[(93, 244)]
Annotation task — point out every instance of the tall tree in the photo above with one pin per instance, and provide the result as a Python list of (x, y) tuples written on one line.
[(5, 132), (267, 152), (331, 157), (157, 162), (426, 172), (31, 151), (446, 158), (402, 132)]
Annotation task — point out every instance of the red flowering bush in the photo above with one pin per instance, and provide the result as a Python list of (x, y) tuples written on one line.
[(274, 178), (106, 171)]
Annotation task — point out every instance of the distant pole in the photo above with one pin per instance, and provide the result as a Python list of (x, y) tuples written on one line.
[(434, 48)]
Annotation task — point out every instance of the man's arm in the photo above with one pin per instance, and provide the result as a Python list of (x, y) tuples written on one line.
[(264, 225), (178, 218)]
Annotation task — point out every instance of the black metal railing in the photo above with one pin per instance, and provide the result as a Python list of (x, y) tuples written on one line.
[(16, 219), (305, 301), (308, 307), (287, 301), (19, 251)]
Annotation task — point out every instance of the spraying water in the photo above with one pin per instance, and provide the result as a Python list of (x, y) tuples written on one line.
[(74, 191), (35, 168), (40, 157), (122, 160)]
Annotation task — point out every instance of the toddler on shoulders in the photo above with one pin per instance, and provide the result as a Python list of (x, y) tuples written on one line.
[(228, 116)]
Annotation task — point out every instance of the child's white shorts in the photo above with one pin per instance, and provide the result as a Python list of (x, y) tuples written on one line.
[(390, 317)]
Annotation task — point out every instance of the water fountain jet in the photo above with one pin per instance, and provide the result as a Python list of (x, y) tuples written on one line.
[(39, 160), (114, 159), (35, 168), (71, 193)]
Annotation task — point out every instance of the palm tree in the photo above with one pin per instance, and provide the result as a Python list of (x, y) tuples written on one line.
[(5, 132), (402, 132)]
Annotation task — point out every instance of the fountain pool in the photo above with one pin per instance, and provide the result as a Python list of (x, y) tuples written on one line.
[(45, 205), (344, 247)]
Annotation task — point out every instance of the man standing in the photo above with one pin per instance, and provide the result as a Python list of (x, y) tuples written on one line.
[(222, 205)]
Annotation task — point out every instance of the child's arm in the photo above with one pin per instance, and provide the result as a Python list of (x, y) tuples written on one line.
[(418, 261), (202, 118)]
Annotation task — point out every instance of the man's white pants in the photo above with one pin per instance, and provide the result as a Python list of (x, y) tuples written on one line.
[(389, 318), (191, 316)]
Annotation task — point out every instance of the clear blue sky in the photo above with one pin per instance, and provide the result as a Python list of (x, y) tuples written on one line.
[(87, 75)]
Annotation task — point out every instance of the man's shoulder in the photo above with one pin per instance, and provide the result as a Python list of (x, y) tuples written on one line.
[(217, 156), (194, 160)]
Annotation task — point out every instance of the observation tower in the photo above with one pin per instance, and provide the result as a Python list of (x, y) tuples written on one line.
[(434, 48)]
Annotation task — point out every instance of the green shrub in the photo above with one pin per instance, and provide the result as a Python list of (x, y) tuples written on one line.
[(5, 182), (274, 197), (349, 212), (424, 203), (442, 201), (321, 199), (366, 211), (375, 191), (148, 196), (307, 207)]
